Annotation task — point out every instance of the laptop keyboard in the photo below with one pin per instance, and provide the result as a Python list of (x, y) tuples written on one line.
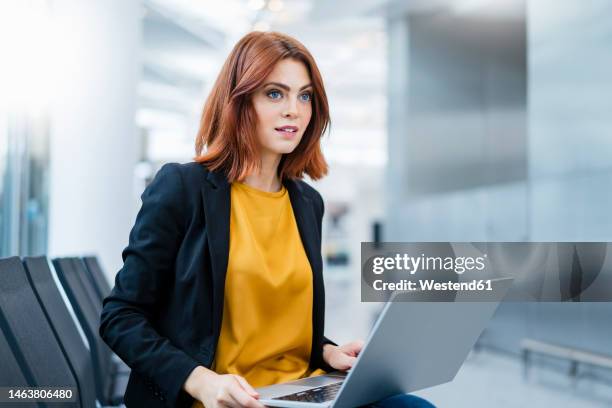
[(319, 394)]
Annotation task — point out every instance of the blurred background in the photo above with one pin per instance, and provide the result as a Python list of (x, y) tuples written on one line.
[(452, 120)]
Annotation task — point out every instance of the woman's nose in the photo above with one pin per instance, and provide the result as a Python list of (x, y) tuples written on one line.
[(290, 110)]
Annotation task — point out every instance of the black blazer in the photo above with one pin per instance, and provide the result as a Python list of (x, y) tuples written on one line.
[(163, 317)]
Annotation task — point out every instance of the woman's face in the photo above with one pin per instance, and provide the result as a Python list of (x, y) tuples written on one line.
[(283, 105)]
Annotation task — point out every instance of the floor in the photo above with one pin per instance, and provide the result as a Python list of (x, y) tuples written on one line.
[(489, 379)]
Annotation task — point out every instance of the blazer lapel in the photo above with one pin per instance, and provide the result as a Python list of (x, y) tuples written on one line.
[(306, 222), (308, 228), (216, 196)]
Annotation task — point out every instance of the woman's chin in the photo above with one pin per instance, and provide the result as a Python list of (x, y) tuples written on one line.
[(286, 149)]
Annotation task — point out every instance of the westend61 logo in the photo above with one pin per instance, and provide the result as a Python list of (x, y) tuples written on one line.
[(414, 264), (466, 271)]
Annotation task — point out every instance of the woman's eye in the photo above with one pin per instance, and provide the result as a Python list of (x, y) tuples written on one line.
[(306, 97), (274, 94)]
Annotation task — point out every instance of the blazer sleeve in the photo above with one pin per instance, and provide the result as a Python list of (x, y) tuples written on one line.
[(148, 264)]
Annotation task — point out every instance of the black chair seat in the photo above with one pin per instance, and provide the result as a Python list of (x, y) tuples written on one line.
[(33, 341), (63, 325), (87, 305)]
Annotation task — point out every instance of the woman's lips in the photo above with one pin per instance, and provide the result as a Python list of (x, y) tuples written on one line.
[(287, 131)]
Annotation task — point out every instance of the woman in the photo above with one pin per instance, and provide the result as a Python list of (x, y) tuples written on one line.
[(221, 289)]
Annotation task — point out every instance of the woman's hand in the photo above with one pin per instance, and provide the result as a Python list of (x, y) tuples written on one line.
[(342, 357), (221, 390)]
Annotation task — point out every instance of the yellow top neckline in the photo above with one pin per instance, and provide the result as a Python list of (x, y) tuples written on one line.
[(262, 193)]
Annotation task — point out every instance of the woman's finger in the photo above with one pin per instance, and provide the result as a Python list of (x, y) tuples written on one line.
[(353, 348), (229, 401), (245, 384), (242, 397), (345, 361)]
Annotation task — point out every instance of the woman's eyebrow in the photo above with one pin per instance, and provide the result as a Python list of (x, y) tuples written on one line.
[(286, 87)]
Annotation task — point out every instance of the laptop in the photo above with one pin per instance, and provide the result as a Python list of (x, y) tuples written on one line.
[(414, 344)]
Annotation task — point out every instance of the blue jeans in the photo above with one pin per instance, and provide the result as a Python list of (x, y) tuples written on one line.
[(401, 401)]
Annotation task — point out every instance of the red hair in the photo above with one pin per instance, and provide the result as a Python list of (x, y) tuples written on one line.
[(227, 127)]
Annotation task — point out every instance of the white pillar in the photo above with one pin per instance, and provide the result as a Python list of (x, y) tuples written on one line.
[(93, 132)]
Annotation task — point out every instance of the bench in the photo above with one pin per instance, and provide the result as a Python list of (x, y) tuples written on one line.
[(573, 355)]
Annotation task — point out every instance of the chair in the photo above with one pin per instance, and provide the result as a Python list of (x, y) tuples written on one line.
[(97, 275), (33, 342), (88, 268), (110, 385), (11, 373), (63, 325), (81, 269)]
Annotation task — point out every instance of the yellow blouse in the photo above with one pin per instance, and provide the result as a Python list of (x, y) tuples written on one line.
[(266, 331)]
